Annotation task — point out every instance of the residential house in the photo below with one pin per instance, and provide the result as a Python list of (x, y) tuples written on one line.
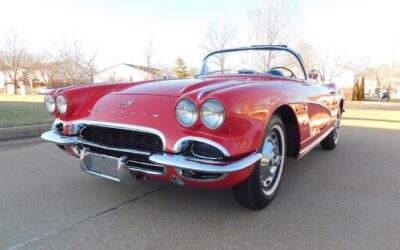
[(344, 78), (372, 88), (125, 72)]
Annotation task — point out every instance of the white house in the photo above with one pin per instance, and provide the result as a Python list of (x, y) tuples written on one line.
[(345, 78), (128, 73), (371, 87)]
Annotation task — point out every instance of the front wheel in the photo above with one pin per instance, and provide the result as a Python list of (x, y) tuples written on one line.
[(263, 184), (330, 142)]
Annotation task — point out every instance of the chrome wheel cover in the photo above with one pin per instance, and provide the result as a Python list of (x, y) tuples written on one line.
[(271, 164), (336, 130)]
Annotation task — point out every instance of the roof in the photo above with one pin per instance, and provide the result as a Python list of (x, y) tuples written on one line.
[(150, 70)]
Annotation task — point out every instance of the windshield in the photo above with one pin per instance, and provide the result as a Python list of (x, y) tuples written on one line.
[(274, 62)]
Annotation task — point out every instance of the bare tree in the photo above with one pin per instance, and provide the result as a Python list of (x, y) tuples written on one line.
[(70, 55), (273, 24), (40, 65), (13, 57), (47, 68), (308, 53), (89, 67), (28, 69), (149, 57), (390, 88), (219, 37), (329, 66)]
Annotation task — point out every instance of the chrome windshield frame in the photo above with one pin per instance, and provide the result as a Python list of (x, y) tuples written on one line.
[(202, 72)]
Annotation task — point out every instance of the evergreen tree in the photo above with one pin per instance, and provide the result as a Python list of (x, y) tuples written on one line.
[(180, 68), (361, 94), (356, 91)]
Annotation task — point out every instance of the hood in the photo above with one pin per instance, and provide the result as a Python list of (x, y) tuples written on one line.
[(176, 88)]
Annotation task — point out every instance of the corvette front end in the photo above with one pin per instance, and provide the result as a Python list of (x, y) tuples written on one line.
[(125, 153)]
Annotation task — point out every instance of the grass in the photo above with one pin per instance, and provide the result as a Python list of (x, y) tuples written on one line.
[(21, 98), (17, 110)]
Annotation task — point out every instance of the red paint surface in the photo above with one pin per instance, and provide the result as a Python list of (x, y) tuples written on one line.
[(249, 102)]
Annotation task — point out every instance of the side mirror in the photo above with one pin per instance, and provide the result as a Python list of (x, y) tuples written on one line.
[(313, 74)]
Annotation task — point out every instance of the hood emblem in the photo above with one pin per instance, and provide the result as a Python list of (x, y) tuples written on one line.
[(126, 103)]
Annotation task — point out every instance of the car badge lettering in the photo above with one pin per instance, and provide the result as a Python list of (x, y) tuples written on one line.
[(126, 103)]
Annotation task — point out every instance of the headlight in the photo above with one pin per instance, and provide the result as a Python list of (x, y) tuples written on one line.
[(212, 114), (49, 103), (186, 112), (61, 104)]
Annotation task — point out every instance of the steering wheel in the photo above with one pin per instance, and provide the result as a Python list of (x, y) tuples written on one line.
[(292, 75)]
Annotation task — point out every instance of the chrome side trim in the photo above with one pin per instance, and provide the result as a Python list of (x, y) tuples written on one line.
[(124, 126), (179, 161), (315, 143), (181, 143)]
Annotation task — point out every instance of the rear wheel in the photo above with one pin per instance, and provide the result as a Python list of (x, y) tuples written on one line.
[(330, 142), (263, 184)]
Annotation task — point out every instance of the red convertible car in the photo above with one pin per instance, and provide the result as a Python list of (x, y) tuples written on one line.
[(231, 126)]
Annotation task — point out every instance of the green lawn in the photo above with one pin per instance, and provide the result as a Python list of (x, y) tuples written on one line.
[(21, 98), (20, 113)]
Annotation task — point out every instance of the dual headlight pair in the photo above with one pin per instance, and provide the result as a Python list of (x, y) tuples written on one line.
[(60, 104), (212, 113)]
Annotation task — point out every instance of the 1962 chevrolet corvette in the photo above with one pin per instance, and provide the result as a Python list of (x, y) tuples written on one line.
[(231, 126)]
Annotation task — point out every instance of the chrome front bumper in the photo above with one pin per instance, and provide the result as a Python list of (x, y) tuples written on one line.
[(182, 162), (177, 161)]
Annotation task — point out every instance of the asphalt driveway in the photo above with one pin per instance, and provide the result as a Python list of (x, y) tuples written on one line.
[(345, 199)]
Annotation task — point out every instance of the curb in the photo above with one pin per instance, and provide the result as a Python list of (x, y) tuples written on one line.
[(23, 132)]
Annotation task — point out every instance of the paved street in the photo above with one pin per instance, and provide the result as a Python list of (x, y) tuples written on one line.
[(345, 199)]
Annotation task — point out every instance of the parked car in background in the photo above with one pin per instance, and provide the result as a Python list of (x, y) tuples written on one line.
[(386, 96), (231, 126), (43, 90)]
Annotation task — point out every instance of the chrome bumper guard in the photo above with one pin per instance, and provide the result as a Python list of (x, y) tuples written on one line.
[(182, 162), (59, 139), (176, 161)]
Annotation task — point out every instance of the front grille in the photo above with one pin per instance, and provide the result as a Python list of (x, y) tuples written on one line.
[(122, 138)]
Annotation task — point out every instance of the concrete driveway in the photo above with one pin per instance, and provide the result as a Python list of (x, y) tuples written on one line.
[(345, 199)]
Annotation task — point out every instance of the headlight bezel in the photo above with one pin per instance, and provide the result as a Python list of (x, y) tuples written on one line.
[(53, 107), (63, 99), (204, 120), (194, 110)]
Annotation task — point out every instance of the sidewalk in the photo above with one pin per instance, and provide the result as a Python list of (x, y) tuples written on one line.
[(23, 132), (372, 105)]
